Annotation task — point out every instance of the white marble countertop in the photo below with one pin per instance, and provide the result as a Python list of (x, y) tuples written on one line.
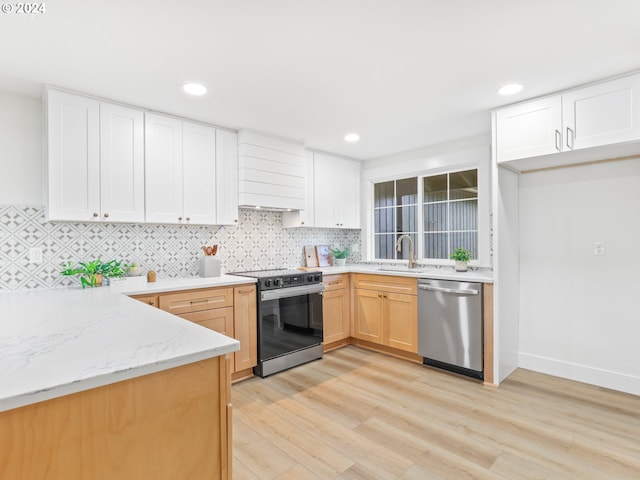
[(61, 341), (443, 273), (175, 284)]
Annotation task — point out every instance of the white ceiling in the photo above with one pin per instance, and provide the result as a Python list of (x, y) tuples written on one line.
[(404, 74)]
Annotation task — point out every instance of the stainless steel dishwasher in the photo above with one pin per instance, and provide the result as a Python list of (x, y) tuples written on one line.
[(450, 326)]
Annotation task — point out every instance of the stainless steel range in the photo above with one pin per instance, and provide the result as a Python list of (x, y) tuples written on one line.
[(289, 318)]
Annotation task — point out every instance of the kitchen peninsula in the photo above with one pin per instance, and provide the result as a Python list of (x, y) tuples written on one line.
[(99, 385)]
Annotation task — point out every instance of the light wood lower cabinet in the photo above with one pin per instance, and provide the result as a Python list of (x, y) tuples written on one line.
[(245, 327), (166, 425), (231, 311), (336, 306), (383, 316)]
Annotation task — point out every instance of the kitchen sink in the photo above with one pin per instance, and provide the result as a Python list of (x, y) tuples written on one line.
[(423, 271), (401, 268)]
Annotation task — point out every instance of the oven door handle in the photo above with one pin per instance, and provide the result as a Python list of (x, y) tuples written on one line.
[(291, 292)]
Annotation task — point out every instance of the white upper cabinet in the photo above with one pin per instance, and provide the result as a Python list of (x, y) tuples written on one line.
[(121, 163), (530, 129), (590, 123), (199, 173), (73, 160), (191, 172), (306, 216), (113, 163), (163, 169), (226, 177), (95, 160), (336, 192), (602, 114)]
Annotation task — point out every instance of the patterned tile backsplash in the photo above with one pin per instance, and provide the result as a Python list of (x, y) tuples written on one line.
[(258, 242)]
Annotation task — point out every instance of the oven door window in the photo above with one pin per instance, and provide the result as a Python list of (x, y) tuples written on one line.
[(289, 324)]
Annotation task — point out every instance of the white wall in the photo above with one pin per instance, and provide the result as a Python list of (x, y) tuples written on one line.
[(580, 313), (471, 152), (21, 163)]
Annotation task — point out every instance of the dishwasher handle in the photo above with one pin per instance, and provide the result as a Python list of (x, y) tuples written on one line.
[(461, 291)]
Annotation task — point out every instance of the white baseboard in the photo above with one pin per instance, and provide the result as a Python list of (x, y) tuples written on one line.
[(582, 373)]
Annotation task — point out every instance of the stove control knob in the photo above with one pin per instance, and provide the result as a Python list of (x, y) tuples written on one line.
[(267, 283), (310, 278), (317, 277), (276, 282)]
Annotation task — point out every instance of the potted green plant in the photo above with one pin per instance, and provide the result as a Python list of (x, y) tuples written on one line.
[(461, 256), (339, 256), (92, 273)]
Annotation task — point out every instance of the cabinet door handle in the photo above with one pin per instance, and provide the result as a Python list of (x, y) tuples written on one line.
[(106, 215), (95, 215), (558, 141), (179, 219), (569, 138), (187, 219)]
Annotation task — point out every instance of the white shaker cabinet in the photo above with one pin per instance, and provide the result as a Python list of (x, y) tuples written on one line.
[(336, 192), (95, 160), (603, 117), (529, 129), (602, 114), (199, 173), (163, 169), (191, 173), (121, 163), (226, 177), (73, 160), (306, 216)]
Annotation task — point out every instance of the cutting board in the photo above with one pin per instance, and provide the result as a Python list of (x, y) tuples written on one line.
[(310, 256)]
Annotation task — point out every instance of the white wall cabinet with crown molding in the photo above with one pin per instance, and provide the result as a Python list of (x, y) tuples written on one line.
[(585, 124), (95, 160)]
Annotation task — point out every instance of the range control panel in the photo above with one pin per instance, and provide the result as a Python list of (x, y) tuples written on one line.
[(284, 281)]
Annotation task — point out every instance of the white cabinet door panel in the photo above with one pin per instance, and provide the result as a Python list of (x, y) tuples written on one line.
[(121, 163), (73, 161), (324, 187), (163, 169), (603, 114), (199, 173), (347, 182), (226, 178), (530, 129)]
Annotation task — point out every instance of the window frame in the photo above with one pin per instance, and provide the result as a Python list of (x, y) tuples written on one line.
[(419, 247)]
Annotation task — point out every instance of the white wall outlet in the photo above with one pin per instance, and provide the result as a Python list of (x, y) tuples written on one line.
[(598, 249), (35, 255)]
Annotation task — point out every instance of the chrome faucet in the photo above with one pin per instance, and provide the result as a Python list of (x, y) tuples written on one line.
[(412, 259)]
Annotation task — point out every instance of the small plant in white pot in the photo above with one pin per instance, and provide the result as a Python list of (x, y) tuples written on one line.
[(461, 256), (339, 256)]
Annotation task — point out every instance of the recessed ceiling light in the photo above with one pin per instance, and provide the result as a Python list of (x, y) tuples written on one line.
[(510, 89), (195, 89), (352, 137)]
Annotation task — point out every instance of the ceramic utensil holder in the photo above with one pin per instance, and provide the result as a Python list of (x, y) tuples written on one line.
[(210, 266)]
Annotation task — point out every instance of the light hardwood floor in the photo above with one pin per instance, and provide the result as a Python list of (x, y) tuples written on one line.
[(362, 415)]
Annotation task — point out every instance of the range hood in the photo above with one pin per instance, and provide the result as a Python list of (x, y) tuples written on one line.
[(272, 173)]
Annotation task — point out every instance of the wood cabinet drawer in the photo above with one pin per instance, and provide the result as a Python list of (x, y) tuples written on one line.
[(218, 319), (196, 300), (336, 282), (386, 283), (148, 299)]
